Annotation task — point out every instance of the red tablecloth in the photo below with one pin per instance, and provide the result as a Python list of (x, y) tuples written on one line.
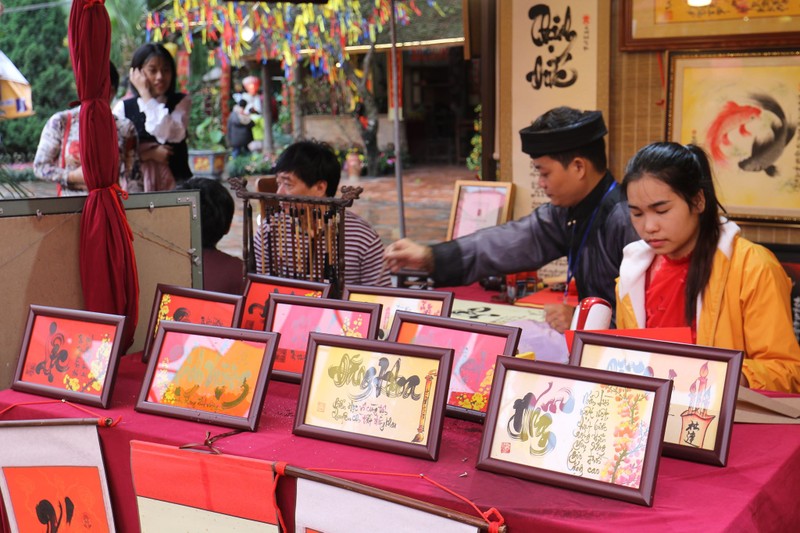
[(756, 491)]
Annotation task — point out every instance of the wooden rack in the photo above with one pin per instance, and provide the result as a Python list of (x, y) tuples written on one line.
[(302, 236)]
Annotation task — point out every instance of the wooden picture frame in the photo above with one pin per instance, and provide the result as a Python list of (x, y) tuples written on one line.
[(325, 503), (475, 349), (739, 107), (478, 205), (195, 306), (339, 404), (648, 25), (295, 317), (568, 426), (422, 301), (234, 364), (258, 289), (69, 354), (705, 383)]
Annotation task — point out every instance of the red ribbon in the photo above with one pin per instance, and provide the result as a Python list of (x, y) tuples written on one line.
[(280, 470)]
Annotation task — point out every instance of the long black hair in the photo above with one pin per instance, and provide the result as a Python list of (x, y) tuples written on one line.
[(145, 52), (687, 171)]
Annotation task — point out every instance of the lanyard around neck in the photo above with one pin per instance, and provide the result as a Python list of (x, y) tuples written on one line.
[(572, 261)]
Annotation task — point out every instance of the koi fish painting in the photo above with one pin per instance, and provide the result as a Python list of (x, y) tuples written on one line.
[(732, 116), (766, 150), (742, 109)]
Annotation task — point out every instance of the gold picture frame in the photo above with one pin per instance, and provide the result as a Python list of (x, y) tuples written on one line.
[(741, 107), (664, 25)]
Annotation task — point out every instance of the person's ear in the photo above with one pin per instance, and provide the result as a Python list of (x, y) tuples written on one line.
[(700, 202), (579, 164), (320, 188)]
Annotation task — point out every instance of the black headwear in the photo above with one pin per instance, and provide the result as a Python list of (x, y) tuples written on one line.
[(588, 128)]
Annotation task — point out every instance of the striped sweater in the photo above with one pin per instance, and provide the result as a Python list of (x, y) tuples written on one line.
[(363, 252)]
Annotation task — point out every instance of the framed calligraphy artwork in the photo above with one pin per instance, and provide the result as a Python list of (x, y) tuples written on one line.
[(375, 394), (492, 313), (742, 109), (52, 477), (326, 503), (676, 25), (475, 350), (555, 53), (478, 205), (422, 301), (194, 306), (705, 382), (576, 428), (69, 354), (259, 288), (295, 317), (208, 374)]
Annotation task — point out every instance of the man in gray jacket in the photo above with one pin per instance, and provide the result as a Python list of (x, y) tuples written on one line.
[(586, 219)]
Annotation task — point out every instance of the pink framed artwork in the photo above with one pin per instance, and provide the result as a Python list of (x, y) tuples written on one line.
[(193, 306), (295, 317), (69, 354), (478, 205), (260, 287), (208, 373), (475, 349), (425, 302)]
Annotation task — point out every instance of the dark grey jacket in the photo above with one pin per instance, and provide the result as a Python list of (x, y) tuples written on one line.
[(543, 236)]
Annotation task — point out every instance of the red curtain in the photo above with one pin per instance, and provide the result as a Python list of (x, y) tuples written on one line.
[(107, 263)]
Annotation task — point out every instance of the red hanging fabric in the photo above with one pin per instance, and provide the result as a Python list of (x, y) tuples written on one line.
[(107, 263)]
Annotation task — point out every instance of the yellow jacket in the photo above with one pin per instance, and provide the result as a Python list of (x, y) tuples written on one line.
[(746, 306)]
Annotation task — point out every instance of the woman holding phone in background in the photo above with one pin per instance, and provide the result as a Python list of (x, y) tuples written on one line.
[(161, 117)]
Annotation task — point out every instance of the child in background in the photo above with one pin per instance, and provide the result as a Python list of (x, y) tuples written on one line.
[(221, 272)]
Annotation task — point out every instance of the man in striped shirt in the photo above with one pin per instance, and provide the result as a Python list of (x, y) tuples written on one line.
[(311, 168)]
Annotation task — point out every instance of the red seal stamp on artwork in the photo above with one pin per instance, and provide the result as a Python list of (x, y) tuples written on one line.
[(505, 447)]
